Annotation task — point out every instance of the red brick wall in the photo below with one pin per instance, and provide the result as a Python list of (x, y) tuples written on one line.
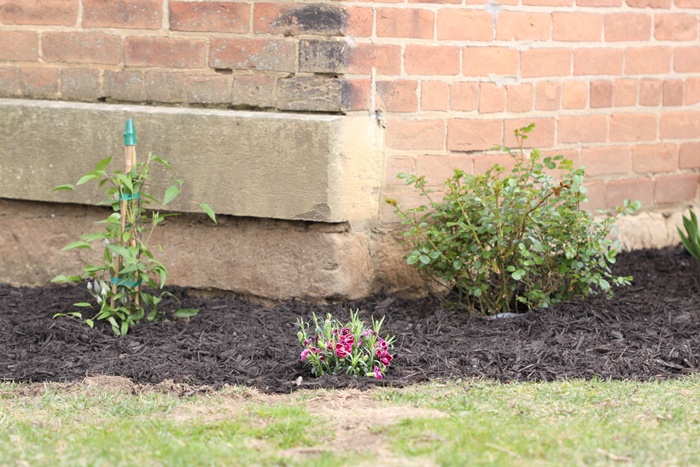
[(612, 84)]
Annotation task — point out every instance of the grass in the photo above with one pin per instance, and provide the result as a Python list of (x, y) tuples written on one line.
[(469, 422)]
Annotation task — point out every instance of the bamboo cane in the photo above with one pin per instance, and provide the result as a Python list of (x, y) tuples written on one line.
[(130, 163)]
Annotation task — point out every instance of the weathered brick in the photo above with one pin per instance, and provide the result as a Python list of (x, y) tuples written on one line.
[(596, 196), (39, 12), (164, 52), (606, 160), (209, 17), (522, 26), (396, 165), (519, 97), (650, 92), (362, 58), (435, 95), (316, 56), (673, 92), (289, 19), (80, 84), (309, 93), (81, 47), (686, 59), (166, 87), (689, 156), (397, 95), (625, 92), (431, 60), (548, 2), (356, 94), (451, 25), (598, 61), (620, 27), (257, 91), (208, 89), (437, 169), (19, 46), (649, 3), (574, 95), (676, 188), (633, 127), (543, 136), (39, 83), (255, 54), (577, 26), (617, 191), (545, 62), (652, 158), (485, 162), (599, 3), (547, 95), (464, 96), (405, 22), (687, 3), (123, 85), (415, 134), (601, 94), (473, 134), (359, 21), (126, 14), (485, 61), (692, 91), (679, 125), (582, 128), (675, 27), (492, 98), (9, 82), (647, 60)]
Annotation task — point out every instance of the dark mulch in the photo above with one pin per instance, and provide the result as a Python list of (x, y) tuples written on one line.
[(650, 329)]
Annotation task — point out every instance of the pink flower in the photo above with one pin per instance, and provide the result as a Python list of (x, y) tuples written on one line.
[(345, 332), (384, 357), (377, 373), (304, 354), (341, 351), (383, 345), (307, 342), (347, 340)]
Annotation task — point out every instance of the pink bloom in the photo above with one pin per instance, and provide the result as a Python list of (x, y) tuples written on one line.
[(377, 373), (347, 340), (345, 332), (384, 357), (307, 342), (340, 351), (304, 354), (383, 345)]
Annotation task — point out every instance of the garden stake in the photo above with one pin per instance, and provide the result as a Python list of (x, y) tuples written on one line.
[(130, 163)]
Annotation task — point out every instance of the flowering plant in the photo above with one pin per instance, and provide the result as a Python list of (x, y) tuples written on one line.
[(352, 349)]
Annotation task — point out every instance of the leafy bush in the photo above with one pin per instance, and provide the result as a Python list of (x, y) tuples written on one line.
[(128, 265), (507, 241), (351, 349), (691, 238)]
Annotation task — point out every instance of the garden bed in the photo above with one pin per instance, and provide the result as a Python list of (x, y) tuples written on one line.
[(648, 330)]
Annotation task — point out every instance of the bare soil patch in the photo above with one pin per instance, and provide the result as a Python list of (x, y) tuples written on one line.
[(648, 330)]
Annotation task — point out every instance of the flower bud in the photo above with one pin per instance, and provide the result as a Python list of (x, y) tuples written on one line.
[(89, 285)]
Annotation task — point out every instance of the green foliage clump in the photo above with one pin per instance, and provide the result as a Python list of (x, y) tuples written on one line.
[(691, 238), (508, 241)]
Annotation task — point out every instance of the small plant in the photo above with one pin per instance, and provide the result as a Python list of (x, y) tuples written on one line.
[(506, 241), (350, 349), (691, 238), (120, 284)]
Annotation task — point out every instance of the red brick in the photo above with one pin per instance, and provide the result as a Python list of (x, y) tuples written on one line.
[(577, 27), (39, 83), (405, 23), (452, 25), (415, 134), (256, 91), (574, 95), (687, 3), (435, 95), (81, 47), (601, 94), (582, 129), (397, 95), (675, 27), (473, 135), (209, 17), (406, 199), (596, 196), (542, 137), (676, 188), (649, 3), (627, 27), (650, 92), (522, 26), (124, 85), (545, 62), (548, 2), (127, 14), (80, 84), (437, 2), (39, 12), (437, 169), (606, 160), (431, 60), (692, 91), (165, 52), (647, 60), (492, 98), (689, 156), (19, 46), (598, 61), (679, 125), (256, 54), (599, 3), (290, 19), (9, 82), (655, 158), (166, 87), (396, 165), (487, 162), (617, 191), (673, 92), (464, 96), (686, 59), (547, 95), (356, 94), (362, 58), (209, 89), (633, 127), (519, 97), (360, 21), (485, 61), (625, 92)]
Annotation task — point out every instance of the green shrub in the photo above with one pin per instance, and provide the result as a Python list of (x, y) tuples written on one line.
[(508, 241), (691, 238)]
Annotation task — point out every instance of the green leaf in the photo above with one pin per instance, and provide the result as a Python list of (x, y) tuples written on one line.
[(425, 259), (209, 211), (63, 279), (103, 164), (91, 237), (162, 162), (170, 194), (83, 304), (86, 178), (90, 322), (73, 245), (66, 187), (120, 250), (186, 312), (518, 274)]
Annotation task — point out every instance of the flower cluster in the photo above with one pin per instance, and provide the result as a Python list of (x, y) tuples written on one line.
[(350, 349)]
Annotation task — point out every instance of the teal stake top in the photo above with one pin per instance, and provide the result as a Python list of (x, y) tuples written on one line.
[(130, 133)]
